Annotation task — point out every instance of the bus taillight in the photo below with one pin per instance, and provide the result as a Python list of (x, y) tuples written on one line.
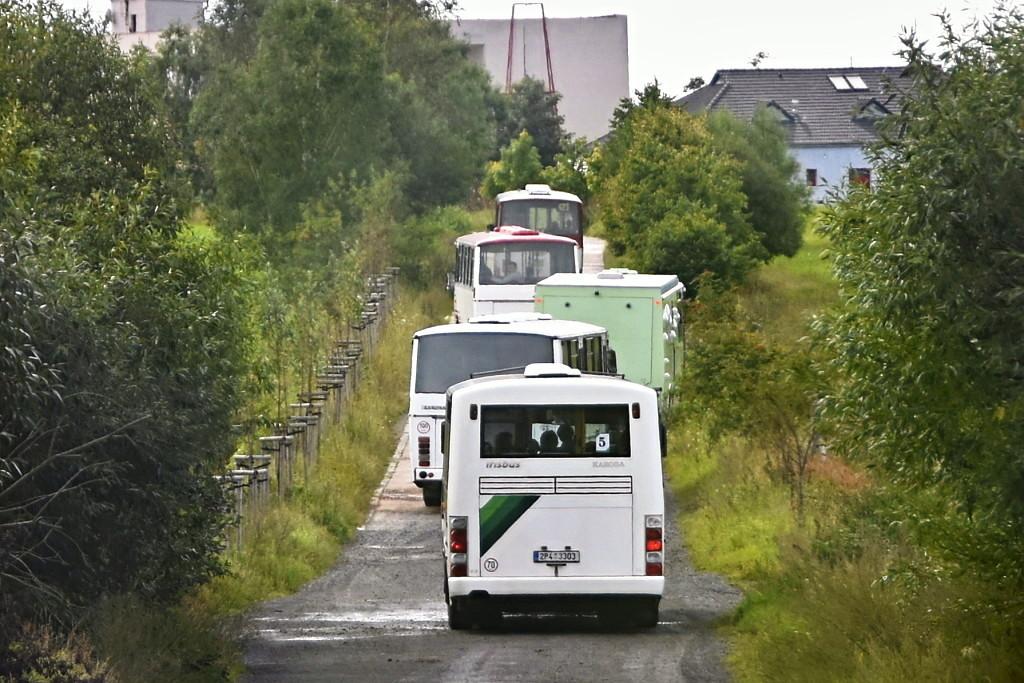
[(654, 545), (458, 546), (424, 450)]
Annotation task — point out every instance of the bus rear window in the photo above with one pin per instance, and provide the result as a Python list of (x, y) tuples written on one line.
[(544, 215), (556, 431), (524, 263), (446, 359)]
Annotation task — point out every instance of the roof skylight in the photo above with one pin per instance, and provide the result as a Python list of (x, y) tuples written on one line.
[(839, 82), (848, 83)]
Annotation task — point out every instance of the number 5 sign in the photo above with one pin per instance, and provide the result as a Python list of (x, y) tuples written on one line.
[(604, 443)]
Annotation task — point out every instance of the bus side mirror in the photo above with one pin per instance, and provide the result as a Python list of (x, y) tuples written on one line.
[(663, 439), (613, 364), (444, 433), (449, 282)]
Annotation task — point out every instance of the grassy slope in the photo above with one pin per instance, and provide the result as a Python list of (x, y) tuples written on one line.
[(888, 612), (733, 516)]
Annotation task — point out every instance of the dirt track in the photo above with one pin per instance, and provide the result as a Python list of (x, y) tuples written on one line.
[(379, 615)]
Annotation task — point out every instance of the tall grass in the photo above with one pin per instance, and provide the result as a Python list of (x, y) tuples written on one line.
[(784, 293)]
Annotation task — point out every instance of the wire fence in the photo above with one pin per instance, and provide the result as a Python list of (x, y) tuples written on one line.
[(252, 480)]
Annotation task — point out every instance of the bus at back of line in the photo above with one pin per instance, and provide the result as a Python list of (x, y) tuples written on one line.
[(553, 498)]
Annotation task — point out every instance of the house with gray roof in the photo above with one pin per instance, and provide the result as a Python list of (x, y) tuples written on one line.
[(829, 114)]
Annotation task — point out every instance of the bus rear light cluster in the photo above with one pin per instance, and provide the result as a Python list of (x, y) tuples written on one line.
[(654, 545), (423, 443), (458, 546)]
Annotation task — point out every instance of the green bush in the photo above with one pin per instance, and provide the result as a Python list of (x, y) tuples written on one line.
[(673, 202), (777, 200)]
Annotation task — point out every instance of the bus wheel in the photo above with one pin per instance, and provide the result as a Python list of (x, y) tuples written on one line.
[(459, 616), (646, 614), (432, 495)]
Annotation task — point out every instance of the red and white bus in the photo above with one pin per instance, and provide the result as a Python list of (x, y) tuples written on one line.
[(540, 208), (495, 272)]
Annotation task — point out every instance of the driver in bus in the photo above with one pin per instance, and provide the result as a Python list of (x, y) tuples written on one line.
[(512, 275)]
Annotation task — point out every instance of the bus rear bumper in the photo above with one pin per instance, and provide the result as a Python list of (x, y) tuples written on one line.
[(563, 586)]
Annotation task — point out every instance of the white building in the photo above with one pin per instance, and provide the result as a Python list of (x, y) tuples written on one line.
[(589, 62), (140, 22), (828, 114)]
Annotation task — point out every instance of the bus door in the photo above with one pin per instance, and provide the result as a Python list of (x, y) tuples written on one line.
[(545, 508)]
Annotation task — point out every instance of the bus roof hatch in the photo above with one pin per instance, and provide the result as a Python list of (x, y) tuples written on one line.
[(550, 370)]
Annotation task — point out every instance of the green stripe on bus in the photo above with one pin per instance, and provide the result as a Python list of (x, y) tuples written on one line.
[(498, 515)]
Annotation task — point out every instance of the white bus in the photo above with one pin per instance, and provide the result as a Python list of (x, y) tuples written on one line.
[(553, 497), (448, 354), (495, 272), (540, 208)]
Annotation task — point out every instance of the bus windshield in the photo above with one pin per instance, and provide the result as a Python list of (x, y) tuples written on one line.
[(446, 359), (524, 263), (543, 215), (559, 431)]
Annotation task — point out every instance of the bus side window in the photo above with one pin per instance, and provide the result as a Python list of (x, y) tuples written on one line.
[(571, 353), (592, 363)]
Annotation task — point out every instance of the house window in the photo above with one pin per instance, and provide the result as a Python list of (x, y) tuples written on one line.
[(860, 176), (132, 24), (812, 177)]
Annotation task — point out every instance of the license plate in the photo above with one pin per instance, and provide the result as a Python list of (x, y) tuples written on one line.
[(556, 555)]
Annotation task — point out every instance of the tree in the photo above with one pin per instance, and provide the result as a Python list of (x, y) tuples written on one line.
[(777, 200), (86, 114), (176, 73), (271, 151), (605, 163), (393, 92), (930, 264), (570, 170), (440, 111), (675, 202), (125, 340), (519, 165), (530, 108)]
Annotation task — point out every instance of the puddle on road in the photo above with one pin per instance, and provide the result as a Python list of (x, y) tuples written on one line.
[(352, 625)]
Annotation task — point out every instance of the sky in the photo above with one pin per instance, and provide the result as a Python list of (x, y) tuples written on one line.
[(674, 41)]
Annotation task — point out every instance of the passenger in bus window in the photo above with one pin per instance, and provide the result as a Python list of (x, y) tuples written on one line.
[(503, 444), (567, 439), (549, 442)]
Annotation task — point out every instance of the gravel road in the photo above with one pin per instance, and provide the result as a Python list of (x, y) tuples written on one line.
[(379, 615)]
